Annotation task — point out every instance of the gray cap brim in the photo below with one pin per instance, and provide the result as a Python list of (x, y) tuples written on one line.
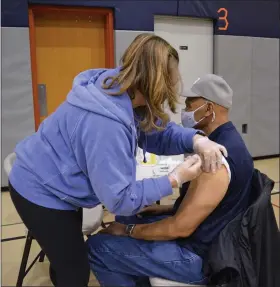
[(189, 94)]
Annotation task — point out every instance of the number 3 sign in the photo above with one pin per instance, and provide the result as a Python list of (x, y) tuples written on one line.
[(223, 18)]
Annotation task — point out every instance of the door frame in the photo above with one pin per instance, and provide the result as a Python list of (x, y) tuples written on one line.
[(40, 9)]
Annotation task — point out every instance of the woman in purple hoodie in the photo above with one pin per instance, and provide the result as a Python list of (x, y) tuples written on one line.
[(84, 153)]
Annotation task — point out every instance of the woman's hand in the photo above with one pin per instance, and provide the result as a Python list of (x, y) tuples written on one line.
[(186, 171), (115, 228), (210, 152)]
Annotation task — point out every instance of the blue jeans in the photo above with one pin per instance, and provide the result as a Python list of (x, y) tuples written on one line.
[(124, 261)]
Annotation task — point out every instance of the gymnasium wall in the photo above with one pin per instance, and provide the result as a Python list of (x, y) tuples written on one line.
[(246, 54)]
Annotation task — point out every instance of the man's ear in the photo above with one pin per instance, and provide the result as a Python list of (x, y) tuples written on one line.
[(209, 109)]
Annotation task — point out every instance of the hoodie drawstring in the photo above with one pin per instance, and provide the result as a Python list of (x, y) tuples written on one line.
[(137, 134), (144, 150)]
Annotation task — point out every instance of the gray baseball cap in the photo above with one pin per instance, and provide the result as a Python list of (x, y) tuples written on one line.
[(213, 88)]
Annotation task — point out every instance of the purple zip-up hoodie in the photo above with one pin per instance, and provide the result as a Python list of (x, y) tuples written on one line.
[(84, 153)]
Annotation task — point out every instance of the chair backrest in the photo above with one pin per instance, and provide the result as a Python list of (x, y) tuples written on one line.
[(8, 163)]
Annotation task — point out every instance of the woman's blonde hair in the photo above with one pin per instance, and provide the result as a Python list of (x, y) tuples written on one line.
[(145, 66)]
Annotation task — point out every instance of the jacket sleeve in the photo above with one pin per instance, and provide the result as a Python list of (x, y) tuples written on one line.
[(173, 140), (111, 168)]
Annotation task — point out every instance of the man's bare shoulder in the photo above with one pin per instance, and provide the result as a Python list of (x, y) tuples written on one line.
[(207, 181)]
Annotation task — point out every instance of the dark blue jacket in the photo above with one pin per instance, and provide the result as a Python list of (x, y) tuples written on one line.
[(247, 251)]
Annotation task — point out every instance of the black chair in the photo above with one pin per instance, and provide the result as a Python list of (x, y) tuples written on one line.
[(24, 270)]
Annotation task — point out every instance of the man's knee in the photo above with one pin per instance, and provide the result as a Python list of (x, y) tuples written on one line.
[(105, 247), (99, 252), (96, 244)]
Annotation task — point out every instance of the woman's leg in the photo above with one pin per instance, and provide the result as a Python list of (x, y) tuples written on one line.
[(59, 233)]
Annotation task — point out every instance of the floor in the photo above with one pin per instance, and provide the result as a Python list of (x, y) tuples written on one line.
[(38, 276)]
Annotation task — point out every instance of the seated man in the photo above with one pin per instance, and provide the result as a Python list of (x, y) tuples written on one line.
[(172, 241)]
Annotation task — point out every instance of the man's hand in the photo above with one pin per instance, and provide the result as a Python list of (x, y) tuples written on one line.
[(115, 228), (210, 152)]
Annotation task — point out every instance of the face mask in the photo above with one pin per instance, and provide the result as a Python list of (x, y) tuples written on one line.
[(188, 120)]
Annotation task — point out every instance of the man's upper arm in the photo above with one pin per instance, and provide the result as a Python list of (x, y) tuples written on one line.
[(203, 196)]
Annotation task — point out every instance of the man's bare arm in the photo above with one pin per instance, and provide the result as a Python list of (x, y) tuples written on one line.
[(203, 196)]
